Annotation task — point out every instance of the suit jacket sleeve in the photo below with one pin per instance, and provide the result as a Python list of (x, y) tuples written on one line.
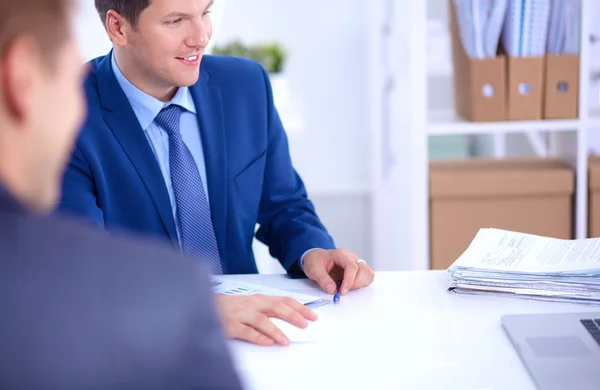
[(289, 225), (79, 191)]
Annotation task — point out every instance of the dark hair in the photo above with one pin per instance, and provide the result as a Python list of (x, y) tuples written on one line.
[(129, 9), (47, 21)]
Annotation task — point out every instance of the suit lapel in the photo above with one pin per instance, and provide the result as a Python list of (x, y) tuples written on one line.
[(125, 126), (207, 99)]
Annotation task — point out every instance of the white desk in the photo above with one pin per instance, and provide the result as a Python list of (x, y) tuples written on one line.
[(405, 331)]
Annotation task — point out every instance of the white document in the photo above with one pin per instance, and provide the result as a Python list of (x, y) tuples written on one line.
[(494, 27), (532, 291), (501, 250), (480, 24), (555, 20), (572, 26), (465, 26), (525, 30), (559, 42), (535, 27), (228, 287), (526, 22), (481, 12), (564, 33), (505, 263), (534, 296), (512, 28), (539, 27)]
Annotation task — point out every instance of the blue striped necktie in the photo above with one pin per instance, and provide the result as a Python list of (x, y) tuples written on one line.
[(193, 211)]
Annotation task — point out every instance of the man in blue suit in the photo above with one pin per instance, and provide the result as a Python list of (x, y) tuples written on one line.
[(197, 155), (81, 310)]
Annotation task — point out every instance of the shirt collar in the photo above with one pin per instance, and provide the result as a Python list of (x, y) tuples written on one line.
[(147, 107)]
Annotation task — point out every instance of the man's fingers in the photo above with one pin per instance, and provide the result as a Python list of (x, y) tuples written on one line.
[(247, 318), (249, 333), (293, 312), (284, 308), (364, 276), (268, 328), (302, 309), (319, 274), (350, 270), (281, 310)]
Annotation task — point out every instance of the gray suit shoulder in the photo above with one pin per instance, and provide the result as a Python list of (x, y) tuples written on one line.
[(84, 310)]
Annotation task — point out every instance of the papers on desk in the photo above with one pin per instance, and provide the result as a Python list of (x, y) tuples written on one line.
[(228, 287), (506, 263)]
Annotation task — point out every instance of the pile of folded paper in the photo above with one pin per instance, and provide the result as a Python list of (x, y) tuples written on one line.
[(506, 263)]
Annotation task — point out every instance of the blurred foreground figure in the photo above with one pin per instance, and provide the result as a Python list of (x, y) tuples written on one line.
[(80, 310)]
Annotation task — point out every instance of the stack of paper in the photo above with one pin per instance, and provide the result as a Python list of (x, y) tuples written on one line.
[(525, 29), (480, 25), (522, 265), (230, 287), (564, 26)]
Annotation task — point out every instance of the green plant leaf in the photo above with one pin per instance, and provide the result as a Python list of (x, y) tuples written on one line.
[(272, 56)]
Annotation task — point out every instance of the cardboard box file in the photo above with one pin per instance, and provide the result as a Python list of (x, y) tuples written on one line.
[(594, 196), (525, 88), (526, 195), (561, 89), (479, 84)]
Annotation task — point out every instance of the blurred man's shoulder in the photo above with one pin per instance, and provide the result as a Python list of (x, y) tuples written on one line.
[(67, 239)]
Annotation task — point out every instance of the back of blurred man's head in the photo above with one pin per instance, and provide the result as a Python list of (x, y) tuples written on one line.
[(41, 98)]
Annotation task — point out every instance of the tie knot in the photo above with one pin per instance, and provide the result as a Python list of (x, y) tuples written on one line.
[(168, 118)]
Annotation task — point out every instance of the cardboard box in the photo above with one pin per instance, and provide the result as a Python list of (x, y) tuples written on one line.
[(526, 195), (561, 89), (479, 84), (594, 196), (525, 88)]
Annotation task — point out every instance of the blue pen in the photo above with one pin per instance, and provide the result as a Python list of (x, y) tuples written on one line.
[(336, 297)]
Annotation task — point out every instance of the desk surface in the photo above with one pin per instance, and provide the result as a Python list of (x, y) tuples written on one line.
[(404, 331)]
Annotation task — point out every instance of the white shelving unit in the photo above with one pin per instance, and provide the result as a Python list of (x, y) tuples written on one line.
[(402, 120)]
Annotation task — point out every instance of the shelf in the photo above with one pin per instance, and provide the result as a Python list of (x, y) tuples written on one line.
[(420, 56), (448, 123)]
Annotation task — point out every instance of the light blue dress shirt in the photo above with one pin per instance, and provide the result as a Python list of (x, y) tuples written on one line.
[(146, 108)]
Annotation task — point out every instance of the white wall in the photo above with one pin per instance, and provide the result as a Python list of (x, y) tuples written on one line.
[(90, 33), (327, 72)]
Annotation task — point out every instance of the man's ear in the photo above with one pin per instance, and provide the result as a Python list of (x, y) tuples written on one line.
[(117, 27), (20, 70)]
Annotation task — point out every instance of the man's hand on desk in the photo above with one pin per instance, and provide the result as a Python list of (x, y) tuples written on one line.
[(328, 266), (246, 317)]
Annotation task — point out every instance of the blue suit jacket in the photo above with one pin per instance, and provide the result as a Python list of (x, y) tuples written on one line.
[(114, 180)]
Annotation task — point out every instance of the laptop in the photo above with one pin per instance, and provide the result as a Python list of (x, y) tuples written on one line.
[(560, 351)]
